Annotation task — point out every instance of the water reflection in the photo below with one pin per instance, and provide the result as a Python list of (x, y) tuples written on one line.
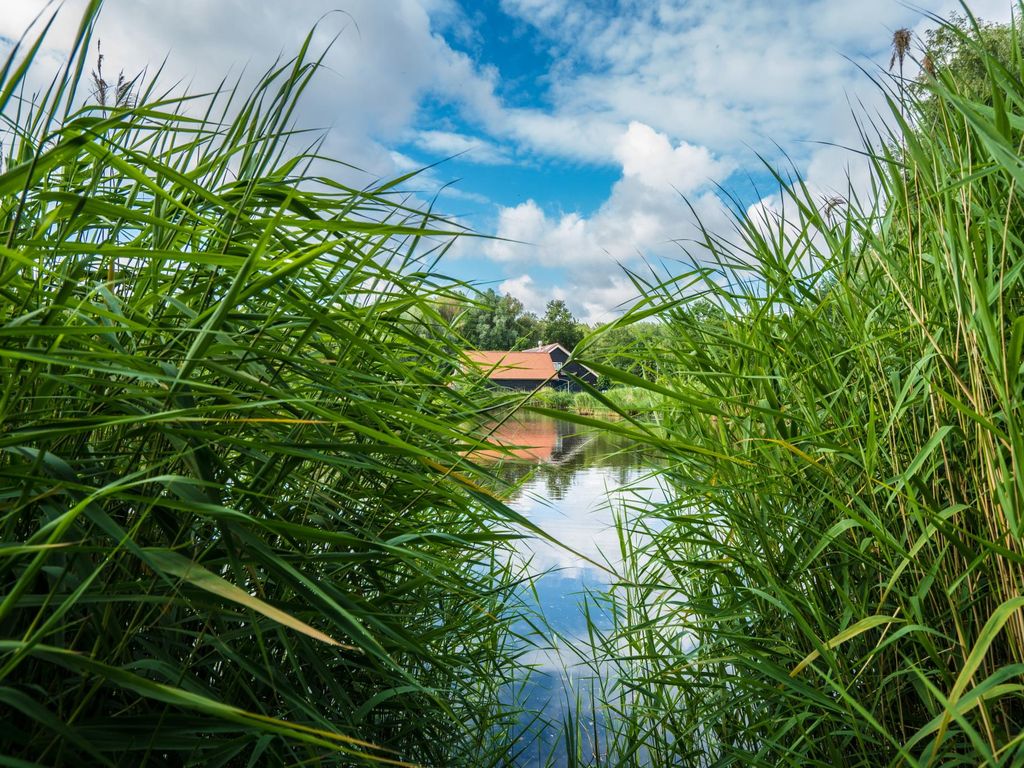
[(556, 451), (567, 479), (529, 438), (570, 483)]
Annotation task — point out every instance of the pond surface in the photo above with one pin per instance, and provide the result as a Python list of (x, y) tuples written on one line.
[(572, 484)]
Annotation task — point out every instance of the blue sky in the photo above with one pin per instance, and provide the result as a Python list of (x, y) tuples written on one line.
[(572, 127)]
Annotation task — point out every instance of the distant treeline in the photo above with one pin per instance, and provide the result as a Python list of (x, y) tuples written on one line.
[(491, 320)]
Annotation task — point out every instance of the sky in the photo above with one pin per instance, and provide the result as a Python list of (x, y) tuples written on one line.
[(587, 135)]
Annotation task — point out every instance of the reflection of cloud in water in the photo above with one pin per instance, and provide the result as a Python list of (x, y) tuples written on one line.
[(565, 658), (581, 517)]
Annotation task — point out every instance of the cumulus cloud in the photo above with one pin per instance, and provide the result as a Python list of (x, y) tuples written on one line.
[(726, 74), (534, 297), (679, 93), (646, 216), (650, 158)]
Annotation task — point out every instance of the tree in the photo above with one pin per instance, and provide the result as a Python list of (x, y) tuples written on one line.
[(559, 325), (958, 56), (498, 322), (528, 326), (643, 349)]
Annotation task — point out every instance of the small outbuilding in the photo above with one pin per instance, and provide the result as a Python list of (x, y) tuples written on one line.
[(546, 365)]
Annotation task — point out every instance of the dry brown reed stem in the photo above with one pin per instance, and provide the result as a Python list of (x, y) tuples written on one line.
[(901, 40)]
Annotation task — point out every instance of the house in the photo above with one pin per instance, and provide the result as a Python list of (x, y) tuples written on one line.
[(547, 365)]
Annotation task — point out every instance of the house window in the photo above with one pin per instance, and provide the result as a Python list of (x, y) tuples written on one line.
[(558, 365)]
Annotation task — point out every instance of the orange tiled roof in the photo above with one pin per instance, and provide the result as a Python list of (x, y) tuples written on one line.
[(514, 365)]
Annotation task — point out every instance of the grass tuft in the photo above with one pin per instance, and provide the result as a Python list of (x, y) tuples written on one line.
[(837, 580), (231, 533)]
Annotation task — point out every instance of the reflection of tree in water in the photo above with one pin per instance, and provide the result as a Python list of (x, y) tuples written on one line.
[(514, 472), (557, 481), (569, 449)]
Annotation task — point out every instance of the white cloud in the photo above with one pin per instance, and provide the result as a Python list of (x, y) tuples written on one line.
[(644, 217), (387, 57), (601, 303), (590, 138), (534, 297), (729, 75), (649, 157), (725, 75), (523, 224), (471, 148), (678, 93)]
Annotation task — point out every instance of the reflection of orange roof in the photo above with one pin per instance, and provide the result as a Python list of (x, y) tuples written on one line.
[(513, 365), (529, 441)]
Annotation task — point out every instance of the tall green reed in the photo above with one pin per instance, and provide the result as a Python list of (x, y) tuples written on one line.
[(838, 579), (231, 527)]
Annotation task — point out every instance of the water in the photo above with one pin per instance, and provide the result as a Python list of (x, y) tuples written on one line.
[(572, 483)]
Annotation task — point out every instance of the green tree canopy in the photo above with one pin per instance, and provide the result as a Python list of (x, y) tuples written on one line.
[(953, 57), (559, 325), (498, 321)]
